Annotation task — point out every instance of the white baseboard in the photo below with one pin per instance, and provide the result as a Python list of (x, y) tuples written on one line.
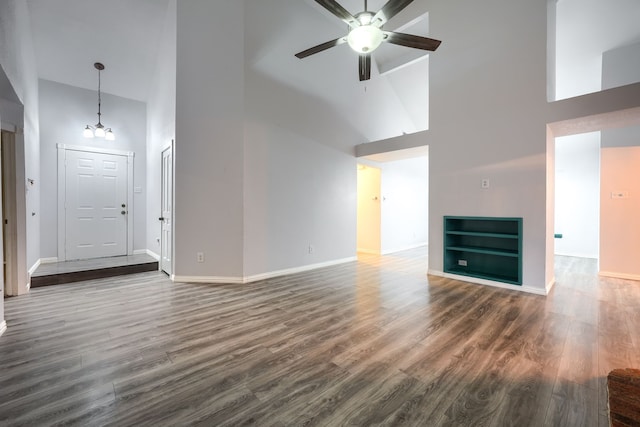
[(550, 285), (218, 280), (153, 254), (404, 248), (367, 251), (256, 277), (619, 275), (147, 252), (34, 267), (48, 260), (3, 327), (574, 255), (524, 288), (271, 274)]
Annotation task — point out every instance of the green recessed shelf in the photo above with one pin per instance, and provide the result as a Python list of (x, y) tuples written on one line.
[(484, 247)]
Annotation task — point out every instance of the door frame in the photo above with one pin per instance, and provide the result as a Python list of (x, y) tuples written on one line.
[(10, 232), (62, 193), (170, 148), (16, 187)]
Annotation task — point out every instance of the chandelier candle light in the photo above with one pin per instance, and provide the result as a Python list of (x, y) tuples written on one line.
[(98, 130)]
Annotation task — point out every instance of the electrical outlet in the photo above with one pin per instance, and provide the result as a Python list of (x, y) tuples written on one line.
[(462, 262), (485, 183), (200, 257), (310, 249)]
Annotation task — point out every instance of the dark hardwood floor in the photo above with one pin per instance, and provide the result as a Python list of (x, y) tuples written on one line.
[(373, 342), (88, 269)]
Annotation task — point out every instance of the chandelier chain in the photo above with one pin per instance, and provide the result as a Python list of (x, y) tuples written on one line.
[(99, 98)]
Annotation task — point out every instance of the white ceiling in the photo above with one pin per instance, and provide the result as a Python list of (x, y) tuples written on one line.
[(69, 39), (70, 35)]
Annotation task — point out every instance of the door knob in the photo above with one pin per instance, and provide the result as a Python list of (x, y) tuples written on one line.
[(123, 212), (124, 206)]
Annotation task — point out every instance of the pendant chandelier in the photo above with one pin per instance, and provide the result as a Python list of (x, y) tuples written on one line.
[(99, 131)]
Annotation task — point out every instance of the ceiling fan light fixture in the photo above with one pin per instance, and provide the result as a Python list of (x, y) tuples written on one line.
[(365, 39)]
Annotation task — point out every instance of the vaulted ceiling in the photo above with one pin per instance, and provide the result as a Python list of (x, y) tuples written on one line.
[(70, 35)]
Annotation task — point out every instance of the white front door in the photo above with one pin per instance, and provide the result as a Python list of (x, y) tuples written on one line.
[(166, 207), (96, 205)]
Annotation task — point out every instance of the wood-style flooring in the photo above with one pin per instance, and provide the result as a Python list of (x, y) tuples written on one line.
[(373, 342)]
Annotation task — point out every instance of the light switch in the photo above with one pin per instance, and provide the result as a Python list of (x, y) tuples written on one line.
[(624, 194)]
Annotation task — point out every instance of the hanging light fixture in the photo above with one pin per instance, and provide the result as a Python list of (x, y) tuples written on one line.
[(365, 38), (99, 131)]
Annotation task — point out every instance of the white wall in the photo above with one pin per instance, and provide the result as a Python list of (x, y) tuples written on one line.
[(298, 192), (620, 212), (299, 172), (621, 66), (577, 194), (487, 121), (161, 123), (405, 204), (64, 112), (585, 31), (17, 59), (209, 140)]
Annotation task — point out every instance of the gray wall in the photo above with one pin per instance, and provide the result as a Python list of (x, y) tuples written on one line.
[(17, 59), (161, 124), (209, 139), (64, 112), (298, 192), (621, 137), (621, 66), (487, 121)]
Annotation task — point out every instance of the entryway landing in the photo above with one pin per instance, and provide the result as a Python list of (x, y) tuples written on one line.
[(98, 268)]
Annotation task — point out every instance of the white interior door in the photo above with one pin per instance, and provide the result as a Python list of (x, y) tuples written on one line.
[(96, 205), (167, 209)]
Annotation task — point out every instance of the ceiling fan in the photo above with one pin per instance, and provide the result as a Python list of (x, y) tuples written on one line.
[(366, 33)]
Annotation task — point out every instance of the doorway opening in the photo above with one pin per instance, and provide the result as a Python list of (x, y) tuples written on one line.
[(393, 201), (369, 210), (597, 172)]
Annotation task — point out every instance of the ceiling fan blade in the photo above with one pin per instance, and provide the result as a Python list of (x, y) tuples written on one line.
[(339, 11), (365, 67), (410, 40), (388, 11), (321, 47)]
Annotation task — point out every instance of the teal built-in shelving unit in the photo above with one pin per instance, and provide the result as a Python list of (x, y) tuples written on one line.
[(484, 247)]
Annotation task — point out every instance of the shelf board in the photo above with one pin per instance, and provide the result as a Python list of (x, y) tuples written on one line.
[(481, 250), (482, 234), (482, 275)]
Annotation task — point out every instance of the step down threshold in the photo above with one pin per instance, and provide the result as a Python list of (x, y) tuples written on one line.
[(96, 273)]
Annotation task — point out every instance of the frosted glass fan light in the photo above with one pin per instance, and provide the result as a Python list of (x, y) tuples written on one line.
[(365, 39)]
